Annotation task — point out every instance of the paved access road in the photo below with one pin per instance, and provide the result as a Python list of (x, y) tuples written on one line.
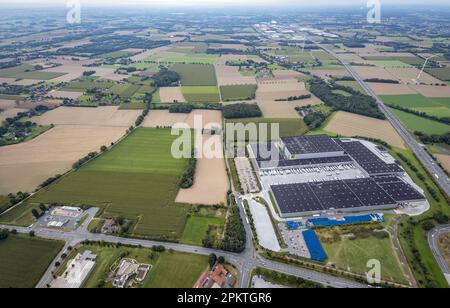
[(246, 262), (433, 241), (440, 177)]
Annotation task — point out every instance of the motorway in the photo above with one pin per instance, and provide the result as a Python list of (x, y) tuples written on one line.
[(433, 238), (427, 161)]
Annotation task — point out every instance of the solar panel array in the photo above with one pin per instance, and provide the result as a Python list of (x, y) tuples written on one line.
[(367, 159), (311, 144), (398, 189), (345, 194)]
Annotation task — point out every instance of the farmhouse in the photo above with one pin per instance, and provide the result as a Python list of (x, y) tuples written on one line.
[(130, 271), (218, 277)]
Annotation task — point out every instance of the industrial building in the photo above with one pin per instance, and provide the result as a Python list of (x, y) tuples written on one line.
[(315, 175)]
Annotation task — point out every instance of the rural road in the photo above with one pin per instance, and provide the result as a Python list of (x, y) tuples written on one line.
[(427, 161), (246, 262), (433, 241)]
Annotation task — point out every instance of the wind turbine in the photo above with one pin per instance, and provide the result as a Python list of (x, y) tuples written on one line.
[(423, 67)]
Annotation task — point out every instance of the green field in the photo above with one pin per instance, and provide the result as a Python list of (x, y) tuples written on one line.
[(439, 107), (441, 73), (238, 92), (201, 94), (353, 255), (411, 60), (415, 123), (125, 91), (196, 74), (117, 54), (390, 64), (137, 179), (169, 269), (197, 227), (26, 71), (87, 83), (192, 58), (24, 260), (288, 127), (351, 84)]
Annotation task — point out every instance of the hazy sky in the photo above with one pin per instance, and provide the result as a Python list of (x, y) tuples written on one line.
[(231, 2)]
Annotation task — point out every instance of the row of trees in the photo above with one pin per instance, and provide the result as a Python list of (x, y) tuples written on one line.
[(165, 78), (187, 179), (295, 98), (445, 120), (234, 239), (430, 139), (242, 110)]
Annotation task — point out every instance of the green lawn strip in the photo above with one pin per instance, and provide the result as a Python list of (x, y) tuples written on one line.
[(197, 227), (415, 123), (238, 92), (24, 260), (176, 270), (201, 94), (196, 74)]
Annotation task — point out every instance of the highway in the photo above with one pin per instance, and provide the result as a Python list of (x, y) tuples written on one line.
[(430, 165), (433, 238)]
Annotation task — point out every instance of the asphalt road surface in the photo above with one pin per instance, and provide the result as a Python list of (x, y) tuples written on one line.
[(433, 238)]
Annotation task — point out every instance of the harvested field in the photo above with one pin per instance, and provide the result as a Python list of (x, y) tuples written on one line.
[(100, 116), (374, 72), (348, 124), (64, 94), (432, 91), (149, 53), (444, 160), (391, 89), (287, 74), (163, 118), (273, 109), (408, 75), (25, 166), (10, 113), (230, 75), (211, 179), (171, 95), (7, 104), (328, 74)]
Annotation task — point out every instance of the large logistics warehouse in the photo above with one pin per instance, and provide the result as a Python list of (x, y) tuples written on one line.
[(314, 175)]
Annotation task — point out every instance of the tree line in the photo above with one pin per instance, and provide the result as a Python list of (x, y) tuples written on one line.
[(356, 103)]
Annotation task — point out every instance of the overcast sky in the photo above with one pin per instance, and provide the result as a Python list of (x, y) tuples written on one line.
[(230, 2)]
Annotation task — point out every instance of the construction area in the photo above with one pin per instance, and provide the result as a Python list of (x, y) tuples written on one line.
[(77, 271)]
